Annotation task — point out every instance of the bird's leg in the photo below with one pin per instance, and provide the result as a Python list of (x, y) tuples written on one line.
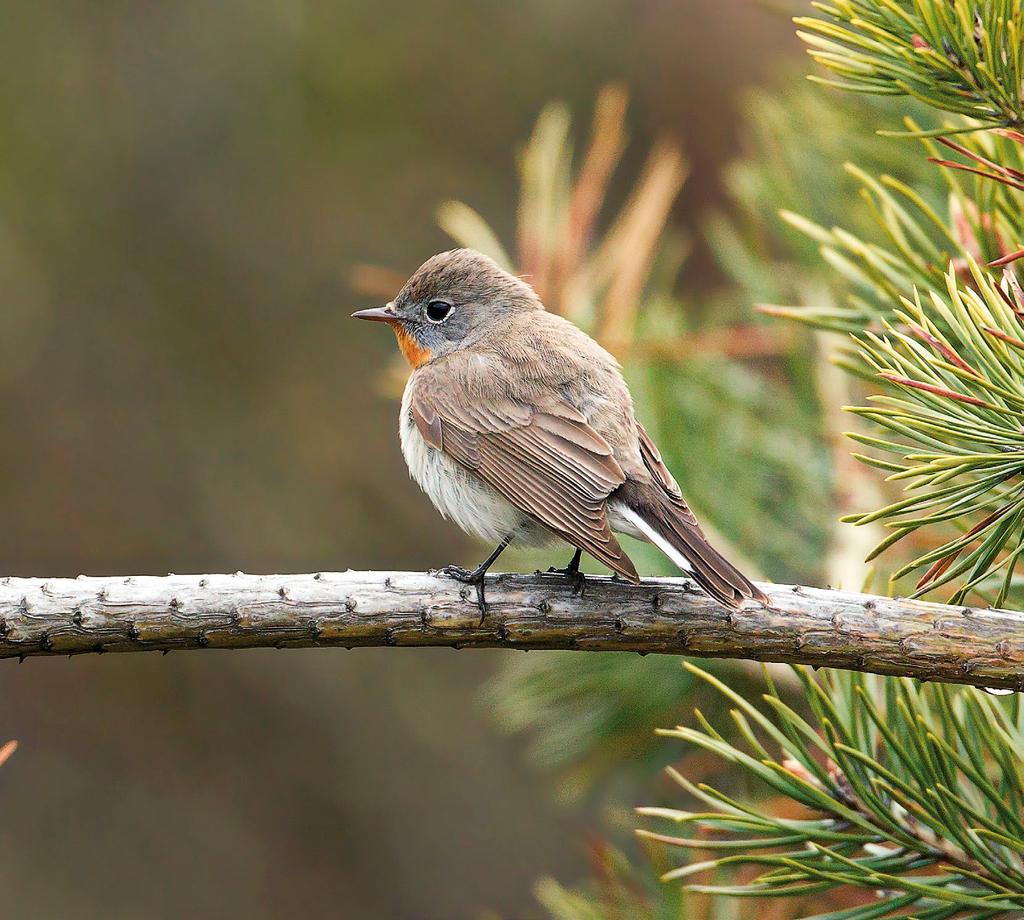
[(476, 576), (572, 572)]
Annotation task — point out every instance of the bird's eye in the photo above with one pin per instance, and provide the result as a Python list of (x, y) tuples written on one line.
[(438, 311)]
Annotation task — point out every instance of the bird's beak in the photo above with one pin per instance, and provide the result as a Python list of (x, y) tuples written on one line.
[(385, 314)]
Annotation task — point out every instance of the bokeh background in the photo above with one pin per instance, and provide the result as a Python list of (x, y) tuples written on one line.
[(185, 192)]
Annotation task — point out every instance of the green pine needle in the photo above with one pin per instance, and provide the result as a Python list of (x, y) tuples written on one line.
[(910, 791)]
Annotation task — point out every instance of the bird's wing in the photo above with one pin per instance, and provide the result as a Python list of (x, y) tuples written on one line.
[(541, 455), (662, 512), (656, 467)]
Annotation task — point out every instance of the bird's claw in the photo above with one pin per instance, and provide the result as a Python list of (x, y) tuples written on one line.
[(459, 574), (575, 577), (468, 577)]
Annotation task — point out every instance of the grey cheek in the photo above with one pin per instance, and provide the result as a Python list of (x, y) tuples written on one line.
[(456, 328)]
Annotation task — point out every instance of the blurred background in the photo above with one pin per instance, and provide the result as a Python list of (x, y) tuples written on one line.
[(193, 198)]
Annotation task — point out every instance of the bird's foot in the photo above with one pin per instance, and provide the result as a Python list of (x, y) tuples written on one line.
[(469, 577), (573, 575)]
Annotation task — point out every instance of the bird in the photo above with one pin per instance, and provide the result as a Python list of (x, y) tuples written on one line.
[(520, 428)]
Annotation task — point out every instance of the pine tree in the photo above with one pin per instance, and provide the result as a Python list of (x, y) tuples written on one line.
[(878, 221)]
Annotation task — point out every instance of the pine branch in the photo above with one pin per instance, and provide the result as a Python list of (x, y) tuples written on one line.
[(64, 616), (953, 55), (889, 779)]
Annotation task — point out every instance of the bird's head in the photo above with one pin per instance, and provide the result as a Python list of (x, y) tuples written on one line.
[(451, 301)]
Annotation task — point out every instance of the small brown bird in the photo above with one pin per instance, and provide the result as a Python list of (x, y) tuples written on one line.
[(519, 427)]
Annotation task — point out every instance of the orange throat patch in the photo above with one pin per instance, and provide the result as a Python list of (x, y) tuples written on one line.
[(412, 351)]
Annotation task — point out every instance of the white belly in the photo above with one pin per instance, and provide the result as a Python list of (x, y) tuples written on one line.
[(459, 495)]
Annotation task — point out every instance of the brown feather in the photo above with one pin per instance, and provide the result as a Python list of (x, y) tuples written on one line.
[(673, 520), (544, 459), (656, 467)]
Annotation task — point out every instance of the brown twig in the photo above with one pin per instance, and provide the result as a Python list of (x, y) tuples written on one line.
[(67, 616)]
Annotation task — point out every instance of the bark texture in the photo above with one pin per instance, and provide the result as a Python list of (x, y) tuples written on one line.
[(67, 616)]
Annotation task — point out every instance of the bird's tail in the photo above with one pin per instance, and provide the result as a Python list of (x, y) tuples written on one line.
[(671, 526)]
